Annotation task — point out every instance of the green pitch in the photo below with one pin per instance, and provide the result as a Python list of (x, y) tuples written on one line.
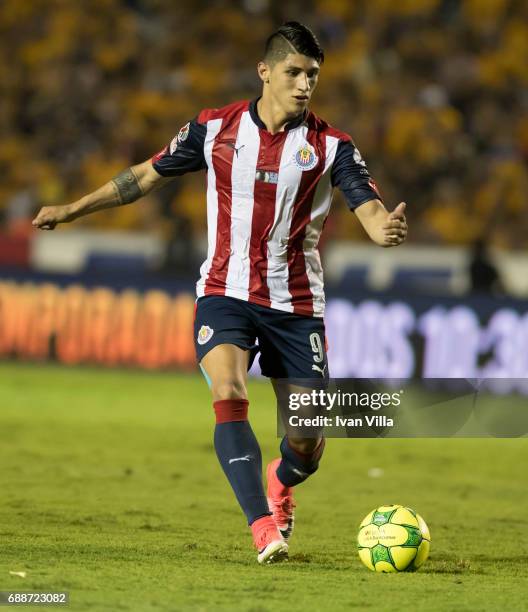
[(110, 489)]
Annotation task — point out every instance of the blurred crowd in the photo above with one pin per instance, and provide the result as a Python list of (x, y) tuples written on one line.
[(433, 92)]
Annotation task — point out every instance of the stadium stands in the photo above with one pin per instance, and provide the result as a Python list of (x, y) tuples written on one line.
[(430, 90)]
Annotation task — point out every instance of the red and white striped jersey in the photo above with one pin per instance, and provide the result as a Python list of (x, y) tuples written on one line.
[(268, 196)]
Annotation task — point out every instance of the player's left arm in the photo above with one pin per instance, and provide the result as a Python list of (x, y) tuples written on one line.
[(383, 227), (351, 176)]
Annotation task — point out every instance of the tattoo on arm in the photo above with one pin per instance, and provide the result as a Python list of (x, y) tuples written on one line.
[(126, 186)]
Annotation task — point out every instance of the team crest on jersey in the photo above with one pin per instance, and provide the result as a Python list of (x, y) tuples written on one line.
[(183, 133), (305, 157), (205, 334)]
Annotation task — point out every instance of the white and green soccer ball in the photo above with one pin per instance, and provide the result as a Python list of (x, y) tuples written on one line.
[(393, 539)]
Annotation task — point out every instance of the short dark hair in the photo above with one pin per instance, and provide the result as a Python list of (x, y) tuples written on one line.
[(292, 37)]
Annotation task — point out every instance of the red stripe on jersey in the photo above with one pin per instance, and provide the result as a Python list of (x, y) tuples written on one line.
[(222, 163), (298, 283), (207, 114), (332, 131), (269, 157), (226, 112)]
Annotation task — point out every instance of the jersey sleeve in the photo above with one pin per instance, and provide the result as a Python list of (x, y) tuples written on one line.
[(350, 175), (185, 152)]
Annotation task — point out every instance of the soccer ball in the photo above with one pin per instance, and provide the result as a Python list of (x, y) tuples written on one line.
[(393, 539)]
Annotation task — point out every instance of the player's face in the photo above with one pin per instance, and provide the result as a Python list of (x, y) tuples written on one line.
[(292, 82)]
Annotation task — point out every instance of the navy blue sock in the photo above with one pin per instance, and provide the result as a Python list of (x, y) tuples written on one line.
[(239, 454), (295, 467)]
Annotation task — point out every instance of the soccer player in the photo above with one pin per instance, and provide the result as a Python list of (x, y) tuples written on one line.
[(271, 167)]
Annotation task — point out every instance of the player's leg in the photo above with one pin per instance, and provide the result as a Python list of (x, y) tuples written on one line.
[(302, 447), (299, 459), (293, 351), (237, 448), (235, 443), (225, 366)]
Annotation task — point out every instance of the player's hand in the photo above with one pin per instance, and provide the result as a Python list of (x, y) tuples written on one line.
[(49, 216), (395, 228)]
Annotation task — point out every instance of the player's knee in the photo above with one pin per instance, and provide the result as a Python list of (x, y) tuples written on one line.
[(306, 446), (229, 389)]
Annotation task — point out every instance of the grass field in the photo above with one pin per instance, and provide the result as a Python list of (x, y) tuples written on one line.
[(110, 489)]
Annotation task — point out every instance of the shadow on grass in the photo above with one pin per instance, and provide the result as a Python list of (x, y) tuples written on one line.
[(301, 559)]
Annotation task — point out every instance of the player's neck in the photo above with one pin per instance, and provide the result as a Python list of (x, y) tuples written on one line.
[(272, 115)]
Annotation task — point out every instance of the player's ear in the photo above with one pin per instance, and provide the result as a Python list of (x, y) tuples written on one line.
[(263, 71)]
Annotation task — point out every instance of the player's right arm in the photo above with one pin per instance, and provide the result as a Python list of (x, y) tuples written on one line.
[(185, 153), (125, 188)]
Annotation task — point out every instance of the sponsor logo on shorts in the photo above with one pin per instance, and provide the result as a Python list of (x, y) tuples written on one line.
[(305, 157), (316, 368), (205, 334)]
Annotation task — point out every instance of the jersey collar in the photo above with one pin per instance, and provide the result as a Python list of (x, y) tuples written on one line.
[(294, 123)]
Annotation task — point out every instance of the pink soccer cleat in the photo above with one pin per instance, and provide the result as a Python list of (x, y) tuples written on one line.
[(280, 501), (268, 541)]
